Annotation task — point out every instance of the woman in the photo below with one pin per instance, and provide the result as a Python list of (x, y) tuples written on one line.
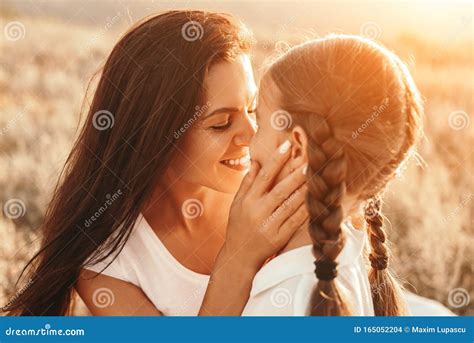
[(167, 132), (353, 113)]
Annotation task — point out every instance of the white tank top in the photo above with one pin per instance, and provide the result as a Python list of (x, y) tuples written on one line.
[(281, 287), (145, 262)]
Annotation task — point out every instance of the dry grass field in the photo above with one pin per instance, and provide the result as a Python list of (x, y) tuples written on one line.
[(43, 77)]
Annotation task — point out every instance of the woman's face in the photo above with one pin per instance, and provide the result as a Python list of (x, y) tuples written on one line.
[(215, 151)]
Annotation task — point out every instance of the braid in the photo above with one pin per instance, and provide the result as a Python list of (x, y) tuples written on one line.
[(386, 293), (326, 188)]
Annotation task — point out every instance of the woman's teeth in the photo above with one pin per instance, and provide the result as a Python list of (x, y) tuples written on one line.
[(241, 161)]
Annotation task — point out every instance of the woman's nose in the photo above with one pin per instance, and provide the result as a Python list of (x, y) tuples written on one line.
[(246, 132)]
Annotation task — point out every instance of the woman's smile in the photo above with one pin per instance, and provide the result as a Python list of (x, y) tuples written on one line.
[(239, 163)]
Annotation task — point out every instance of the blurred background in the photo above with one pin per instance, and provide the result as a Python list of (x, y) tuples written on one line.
[(49, 51)]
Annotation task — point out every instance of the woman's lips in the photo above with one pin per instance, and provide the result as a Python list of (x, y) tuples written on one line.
[(239, 164)]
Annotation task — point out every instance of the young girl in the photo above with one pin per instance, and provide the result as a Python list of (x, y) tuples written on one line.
[(352, 111)]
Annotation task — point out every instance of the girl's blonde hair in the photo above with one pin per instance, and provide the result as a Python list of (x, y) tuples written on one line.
[(362, 112)]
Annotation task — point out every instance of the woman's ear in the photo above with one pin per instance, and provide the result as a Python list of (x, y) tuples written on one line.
[(299, 146)]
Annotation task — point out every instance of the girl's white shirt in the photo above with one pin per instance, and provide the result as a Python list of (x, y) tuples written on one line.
[(283, 286)]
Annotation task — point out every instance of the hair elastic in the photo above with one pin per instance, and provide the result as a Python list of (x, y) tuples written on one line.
[(325, 269)]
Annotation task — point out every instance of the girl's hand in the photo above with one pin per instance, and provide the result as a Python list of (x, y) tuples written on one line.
[(262, 220)]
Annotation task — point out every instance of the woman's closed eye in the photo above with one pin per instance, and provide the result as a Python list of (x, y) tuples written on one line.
[(220, 127), (253, 116), (226, 124)]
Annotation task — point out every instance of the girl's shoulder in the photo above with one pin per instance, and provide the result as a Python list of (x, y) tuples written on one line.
[(284, 285)]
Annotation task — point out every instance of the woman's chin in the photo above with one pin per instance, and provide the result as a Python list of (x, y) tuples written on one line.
[(230, 184)]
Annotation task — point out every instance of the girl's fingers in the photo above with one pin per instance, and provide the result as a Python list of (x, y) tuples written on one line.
[(285, 188), (271, 169), (248, 179)]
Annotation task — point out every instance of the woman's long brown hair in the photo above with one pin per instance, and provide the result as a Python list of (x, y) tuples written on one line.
[(149, 88), (362, 113)]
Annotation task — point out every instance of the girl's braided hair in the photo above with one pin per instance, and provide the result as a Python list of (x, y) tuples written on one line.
[(361, 112)]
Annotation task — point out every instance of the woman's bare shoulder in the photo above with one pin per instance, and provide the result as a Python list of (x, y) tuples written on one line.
[(108, 296)]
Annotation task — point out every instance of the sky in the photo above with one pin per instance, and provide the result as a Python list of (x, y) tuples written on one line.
[(447, 20)]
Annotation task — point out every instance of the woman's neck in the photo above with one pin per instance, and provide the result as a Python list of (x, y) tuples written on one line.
[(186, 206)]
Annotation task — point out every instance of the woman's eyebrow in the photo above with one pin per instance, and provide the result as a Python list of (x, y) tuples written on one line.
[(222, 110)]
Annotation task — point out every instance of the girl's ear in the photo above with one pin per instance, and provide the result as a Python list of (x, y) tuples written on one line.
[(299, 146)]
